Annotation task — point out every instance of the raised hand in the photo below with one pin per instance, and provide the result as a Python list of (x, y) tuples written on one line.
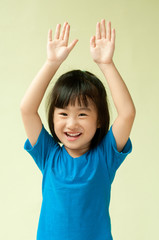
[(58, 48), (103, 44)]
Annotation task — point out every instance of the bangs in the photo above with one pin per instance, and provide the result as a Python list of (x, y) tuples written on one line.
[(63, 100), (72, 89)]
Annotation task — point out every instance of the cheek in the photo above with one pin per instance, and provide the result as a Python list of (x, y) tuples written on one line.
[(58, 129), (58, 124), (55, 120), (91, 125)]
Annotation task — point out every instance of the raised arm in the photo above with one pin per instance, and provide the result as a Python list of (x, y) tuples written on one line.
[(57, 51), (102, 49)]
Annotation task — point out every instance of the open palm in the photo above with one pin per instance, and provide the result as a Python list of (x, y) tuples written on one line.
[(58, 48), (102, 45)]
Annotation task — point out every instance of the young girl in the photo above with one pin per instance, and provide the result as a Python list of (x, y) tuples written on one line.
[(77, 176)]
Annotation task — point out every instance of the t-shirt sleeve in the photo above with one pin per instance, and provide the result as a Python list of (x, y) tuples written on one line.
[(40, 151), (114, 158)]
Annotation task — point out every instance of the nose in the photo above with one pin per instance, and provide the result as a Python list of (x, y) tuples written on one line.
[(72, 123)]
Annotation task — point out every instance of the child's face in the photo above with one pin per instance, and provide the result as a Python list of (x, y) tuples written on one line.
[(75, 127)]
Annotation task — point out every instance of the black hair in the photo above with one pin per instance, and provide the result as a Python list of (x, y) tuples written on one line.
[(80, 85)]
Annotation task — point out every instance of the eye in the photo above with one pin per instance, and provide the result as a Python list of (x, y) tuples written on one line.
[(63, 114), (82, 115)]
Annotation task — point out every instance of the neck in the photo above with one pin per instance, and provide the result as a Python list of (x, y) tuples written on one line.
[(75, 153)]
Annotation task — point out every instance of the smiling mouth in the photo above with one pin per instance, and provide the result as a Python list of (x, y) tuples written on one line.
[(72, 136)]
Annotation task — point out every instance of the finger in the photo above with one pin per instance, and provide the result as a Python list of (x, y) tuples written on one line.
[(103, 29), (98, 35), (67, 33), (49, 35), (108, 31), (72, 45), (57, 31), (93, 42), (63, 31), (113, 36)]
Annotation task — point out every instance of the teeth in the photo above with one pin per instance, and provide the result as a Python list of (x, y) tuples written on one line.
[(73, 134)]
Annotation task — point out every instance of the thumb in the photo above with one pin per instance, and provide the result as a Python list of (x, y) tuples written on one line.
[(72, 45), (93, 42)]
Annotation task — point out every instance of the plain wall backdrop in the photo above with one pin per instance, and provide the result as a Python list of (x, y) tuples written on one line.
[(24, 26)]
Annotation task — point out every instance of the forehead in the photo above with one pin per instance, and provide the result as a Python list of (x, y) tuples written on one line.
[(80, 104)]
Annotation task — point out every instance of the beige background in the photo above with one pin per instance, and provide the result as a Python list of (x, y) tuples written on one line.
[(23, 32)]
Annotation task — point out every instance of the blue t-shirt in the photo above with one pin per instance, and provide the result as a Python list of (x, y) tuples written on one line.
[(76, 191)]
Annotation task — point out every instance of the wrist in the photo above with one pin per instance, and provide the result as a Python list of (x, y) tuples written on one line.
[(50, 67), (105, 65)]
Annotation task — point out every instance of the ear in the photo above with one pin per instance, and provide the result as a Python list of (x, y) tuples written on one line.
[(98, 124)]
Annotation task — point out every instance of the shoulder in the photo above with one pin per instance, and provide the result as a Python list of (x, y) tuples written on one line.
[(45, 147), (110, 154), (109, 142)]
